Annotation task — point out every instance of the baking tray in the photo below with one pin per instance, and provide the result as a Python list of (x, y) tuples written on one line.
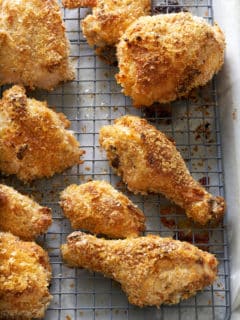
[(91, 101)]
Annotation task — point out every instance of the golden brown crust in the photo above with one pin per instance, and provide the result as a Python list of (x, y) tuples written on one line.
[(151, 270), (110, 18), (33, 140), (149, 162), (79, 3), (22, 216), (34, 50), (97, 207), (25, 274), (163, 57)]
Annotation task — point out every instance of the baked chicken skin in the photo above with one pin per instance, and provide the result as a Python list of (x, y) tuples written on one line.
[(151, 270), (163, 57), (97, 207), (34, 142), (109, 19), (22, 216), (25, 274), (34, 49), (148, 161)]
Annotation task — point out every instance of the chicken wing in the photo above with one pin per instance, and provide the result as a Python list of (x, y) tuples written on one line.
[(151, 270), (162, 58), (97, 207), (22, 216), (149, 162), (24, 279), (34, 50), (110, 18), (33, 140)]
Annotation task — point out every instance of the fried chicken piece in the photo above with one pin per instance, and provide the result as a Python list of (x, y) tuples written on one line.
[(163, 57), (25, 274), (97, 207), (110, 18), (22, 216), (34, 50), (149, 162), (33, 140), (151, 270)]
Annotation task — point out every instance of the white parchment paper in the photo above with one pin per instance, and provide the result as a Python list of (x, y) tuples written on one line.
[(227, 14)]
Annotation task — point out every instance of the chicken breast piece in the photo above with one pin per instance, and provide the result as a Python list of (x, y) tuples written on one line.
[(151, 270), (34, 50), (163, 57), (109, 19), (25, 274), (34, 142), (149, 162), (22, 216), (97, 207)]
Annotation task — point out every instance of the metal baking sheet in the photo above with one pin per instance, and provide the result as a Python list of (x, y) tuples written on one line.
[(91, 101)]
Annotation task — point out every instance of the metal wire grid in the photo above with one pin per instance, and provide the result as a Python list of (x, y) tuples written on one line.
[(93, 100)]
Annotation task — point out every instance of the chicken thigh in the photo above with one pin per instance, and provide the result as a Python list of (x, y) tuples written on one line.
[(34, 50), (163, 57), (34, 142), (109, 19), (22, 216), (25, 274)]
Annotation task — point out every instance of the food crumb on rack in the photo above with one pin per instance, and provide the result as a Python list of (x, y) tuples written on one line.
[(68, 317), (84, 129), (203, 131), (234, 114), (204, 181)]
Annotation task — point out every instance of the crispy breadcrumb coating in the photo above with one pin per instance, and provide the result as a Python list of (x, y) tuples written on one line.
[(34, 142), (163, 57), (97, 207), (22, 216), (109, 19), (71, 4), (25, 274), (149, 162), (34, 49), (151, 270)]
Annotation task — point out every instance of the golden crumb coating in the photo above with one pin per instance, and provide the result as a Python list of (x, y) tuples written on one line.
[(33, 140), (151, 270), (109, 19), (149, 162), (97, 207), (25, 274), (79, 3), (34, 50), (163, 57), (22, 216)]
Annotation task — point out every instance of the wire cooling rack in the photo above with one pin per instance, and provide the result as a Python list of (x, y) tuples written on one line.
[(91, 101)]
